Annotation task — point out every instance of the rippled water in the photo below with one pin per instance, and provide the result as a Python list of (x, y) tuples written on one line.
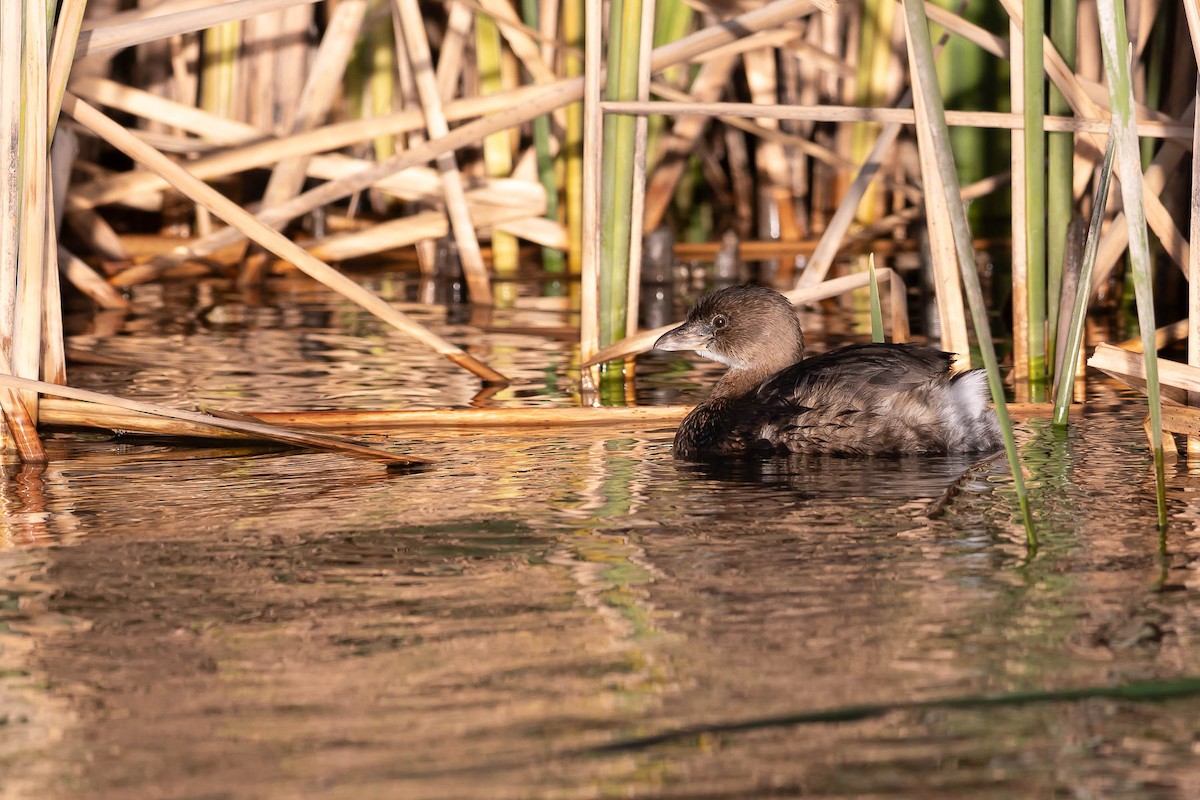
[(570, 613)]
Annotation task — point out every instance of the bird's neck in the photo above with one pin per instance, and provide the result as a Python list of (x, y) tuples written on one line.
[(740, 381)]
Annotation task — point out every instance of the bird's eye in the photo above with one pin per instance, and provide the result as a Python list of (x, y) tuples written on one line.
[(720, 321)]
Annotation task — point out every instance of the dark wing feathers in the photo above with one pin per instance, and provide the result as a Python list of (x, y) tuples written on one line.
[(866, 371)]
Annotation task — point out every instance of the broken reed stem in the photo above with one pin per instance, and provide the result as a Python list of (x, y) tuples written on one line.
[(268, 237), (1078, 322)]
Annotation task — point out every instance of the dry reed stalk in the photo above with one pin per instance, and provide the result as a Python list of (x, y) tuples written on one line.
[(1166, 335), (831, 239), (75, 413), (1019, 253), (10, 159), (104, 40), (879, 228), (459, 17), (62, 56), (31, 272), (422, 226), (637, 202), (260, 151), (1094, 124), (1128, 367), (316, 98), (943, 251), (643, 341), (256, 428), (593, 122), (680, 142), (88, 281), (420, 58), (534, 102), (120, 18), (268, 237), (777, 217), (54, 353), (1193, 319)]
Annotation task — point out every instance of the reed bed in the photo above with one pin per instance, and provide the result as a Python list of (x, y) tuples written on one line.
[(579, 128)]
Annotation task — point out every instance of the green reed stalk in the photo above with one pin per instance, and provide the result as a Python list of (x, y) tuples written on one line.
[(1035, 194), (572, 149), (872, 81), (922, 53), (497, 147), (553, 260), (381, 80), (876, 309), (1060, 151), (1114, 43), (218, 84), (1062, 401), (618, 160)]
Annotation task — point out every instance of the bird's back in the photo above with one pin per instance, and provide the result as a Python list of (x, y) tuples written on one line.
[(869, 399)]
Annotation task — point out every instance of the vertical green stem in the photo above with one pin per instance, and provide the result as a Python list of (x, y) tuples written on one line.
[(552, 258), (1114, 43), (617, 178), (572, 150), (1035, 193), (1060, 173), (497, 147)]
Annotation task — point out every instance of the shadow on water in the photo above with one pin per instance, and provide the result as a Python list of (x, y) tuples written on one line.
[(573, 613)]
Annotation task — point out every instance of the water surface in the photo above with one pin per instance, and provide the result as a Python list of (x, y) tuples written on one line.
[(570, 613)]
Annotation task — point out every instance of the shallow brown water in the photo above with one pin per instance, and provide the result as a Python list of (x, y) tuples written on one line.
[(570, 614)]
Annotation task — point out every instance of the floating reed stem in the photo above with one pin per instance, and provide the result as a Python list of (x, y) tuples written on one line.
[(1074, 342), (254, 428), (1114, 41), (266, 236), (921, 56)]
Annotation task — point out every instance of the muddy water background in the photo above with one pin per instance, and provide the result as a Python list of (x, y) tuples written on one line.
[(525, 618)]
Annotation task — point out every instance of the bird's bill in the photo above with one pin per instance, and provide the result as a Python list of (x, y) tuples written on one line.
[(687, 336)]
